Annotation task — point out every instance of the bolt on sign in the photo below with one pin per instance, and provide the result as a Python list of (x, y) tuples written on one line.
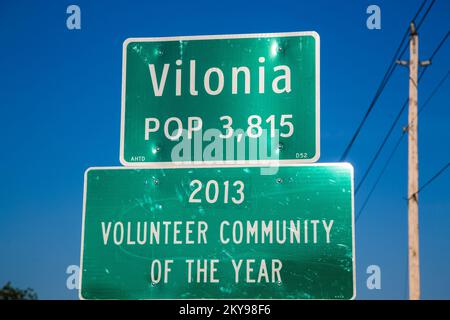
[(218, 232), (230, 99)]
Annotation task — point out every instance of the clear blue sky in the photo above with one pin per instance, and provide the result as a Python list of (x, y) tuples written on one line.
[(60, 94)]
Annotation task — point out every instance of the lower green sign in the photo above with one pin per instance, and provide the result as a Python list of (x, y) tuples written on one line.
[(218, 233)]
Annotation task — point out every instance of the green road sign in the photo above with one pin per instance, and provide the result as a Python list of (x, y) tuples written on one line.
[(221, 233), (230, 99)]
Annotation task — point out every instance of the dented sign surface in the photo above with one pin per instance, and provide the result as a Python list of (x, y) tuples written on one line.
[(222, 233), (222, 99)]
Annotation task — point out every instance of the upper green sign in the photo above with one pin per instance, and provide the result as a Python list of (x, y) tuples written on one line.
[(220, 99), (223, 233)]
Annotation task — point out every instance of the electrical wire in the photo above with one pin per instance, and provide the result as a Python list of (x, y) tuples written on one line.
[(396, 119), (383, 83), (426, 184), (397, 144)]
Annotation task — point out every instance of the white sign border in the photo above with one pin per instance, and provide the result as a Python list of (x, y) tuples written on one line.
[(329, 164), (224, 163)]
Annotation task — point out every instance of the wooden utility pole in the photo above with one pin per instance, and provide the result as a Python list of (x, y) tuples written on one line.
[(413, 169)]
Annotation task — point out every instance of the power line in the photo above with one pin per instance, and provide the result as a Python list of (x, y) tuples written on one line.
[(439, 46), (383, 83), (380, 89), (418, 11), (425, 15), (394, 123), (435, 51), (397, 144), (435, 90), (441, 171), (380, 175), (381, 146)]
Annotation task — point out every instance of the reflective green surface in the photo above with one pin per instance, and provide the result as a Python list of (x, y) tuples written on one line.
[(312, 266), (298, 52)]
